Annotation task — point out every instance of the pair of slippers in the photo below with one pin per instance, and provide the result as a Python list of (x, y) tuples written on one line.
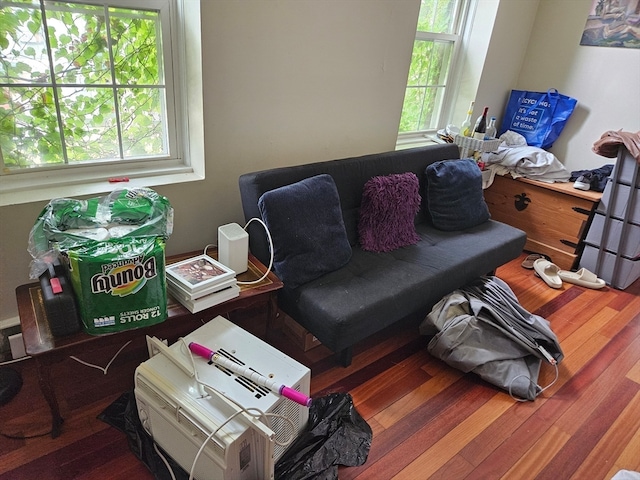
[(553, 276)]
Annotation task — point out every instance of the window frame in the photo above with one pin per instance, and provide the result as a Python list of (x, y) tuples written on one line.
[(461, 26), (186, 162)]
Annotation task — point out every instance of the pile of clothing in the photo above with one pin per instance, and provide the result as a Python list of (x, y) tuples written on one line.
[(515, 157)]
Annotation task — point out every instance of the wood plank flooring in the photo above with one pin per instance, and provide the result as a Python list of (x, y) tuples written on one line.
[(429, 420)]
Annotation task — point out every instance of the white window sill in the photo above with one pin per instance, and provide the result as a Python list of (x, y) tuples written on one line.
[(416, 141), (20, 188)]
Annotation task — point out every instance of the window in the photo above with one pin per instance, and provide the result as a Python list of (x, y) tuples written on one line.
[(90, 90), (429, 84)]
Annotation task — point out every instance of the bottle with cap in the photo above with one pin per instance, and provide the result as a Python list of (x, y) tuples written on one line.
[(465, 128), (490, 133), (481, 127)]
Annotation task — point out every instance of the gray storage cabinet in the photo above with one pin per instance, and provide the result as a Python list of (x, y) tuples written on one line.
[(612, 245)]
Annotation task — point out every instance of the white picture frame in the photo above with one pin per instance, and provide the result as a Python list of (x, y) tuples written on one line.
[(198, 273)]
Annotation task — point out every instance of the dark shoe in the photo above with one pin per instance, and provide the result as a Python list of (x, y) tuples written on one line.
[(583, 182), (528, 262)]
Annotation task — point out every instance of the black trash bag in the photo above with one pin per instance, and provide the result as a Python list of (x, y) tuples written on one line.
[(335, 435), (123, 415), (10, 384)]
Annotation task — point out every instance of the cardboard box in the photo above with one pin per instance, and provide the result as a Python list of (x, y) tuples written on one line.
[(305, 340)]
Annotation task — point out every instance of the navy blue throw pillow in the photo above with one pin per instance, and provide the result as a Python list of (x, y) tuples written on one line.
[(307, 229), (454, 195)]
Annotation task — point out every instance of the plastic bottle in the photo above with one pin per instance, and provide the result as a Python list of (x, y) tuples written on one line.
[(481, 128), (465, 128), (490, 133)]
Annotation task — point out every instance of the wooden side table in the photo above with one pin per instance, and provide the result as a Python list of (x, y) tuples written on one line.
[(47, 350), (555, 216)]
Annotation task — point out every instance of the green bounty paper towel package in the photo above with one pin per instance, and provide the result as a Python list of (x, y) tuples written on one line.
[(119, 284), (114, 249)]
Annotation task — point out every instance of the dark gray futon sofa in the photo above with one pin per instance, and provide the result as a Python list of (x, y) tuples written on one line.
[(374, 290)]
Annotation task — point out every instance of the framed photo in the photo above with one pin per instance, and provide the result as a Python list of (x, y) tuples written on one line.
[(198, 273), (613, 23)]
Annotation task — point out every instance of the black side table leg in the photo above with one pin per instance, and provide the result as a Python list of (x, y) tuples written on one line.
[(44, 379)]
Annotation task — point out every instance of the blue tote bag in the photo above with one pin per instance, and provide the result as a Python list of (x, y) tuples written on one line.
[(538, 116)]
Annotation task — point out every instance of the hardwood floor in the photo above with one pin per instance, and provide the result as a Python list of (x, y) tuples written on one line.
[(429, 420)]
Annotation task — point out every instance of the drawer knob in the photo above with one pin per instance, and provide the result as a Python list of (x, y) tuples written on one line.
[(522, 201)]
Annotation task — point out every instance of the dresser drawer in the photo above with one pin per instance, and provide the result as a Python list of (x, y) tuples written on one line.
[(554, 216)]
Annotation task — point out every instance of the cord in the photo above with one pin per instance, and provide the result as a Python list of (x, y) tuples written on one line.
[(25, 437), (541, 390), (104, 369), (264, 417), (164, 460), (15, 360), (211, 435), (266, 229)]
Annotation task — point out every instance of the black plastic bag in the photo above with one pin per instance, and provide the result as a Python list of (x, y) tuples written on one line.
[(335, 435)]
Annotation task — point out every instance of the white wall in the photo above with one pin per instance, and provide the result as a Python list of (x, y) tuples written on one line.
[(494, 55), (604, 80), (295, 81), (285, 82)]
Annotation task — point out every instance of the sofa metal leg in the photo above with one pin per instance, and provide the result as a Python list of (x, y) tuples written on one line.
[(345, 356)]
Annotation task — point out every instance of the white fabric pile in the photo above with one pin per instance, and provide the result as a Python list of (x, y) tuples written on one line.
[(515, 157)]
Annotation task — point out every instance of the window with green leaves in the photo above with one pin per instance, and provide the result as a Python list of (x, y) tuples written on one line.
[(429, 84), (83, 83)]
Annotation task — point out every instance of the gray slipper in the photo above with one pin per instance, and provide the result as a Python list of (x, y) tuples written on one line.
[(528, 262)]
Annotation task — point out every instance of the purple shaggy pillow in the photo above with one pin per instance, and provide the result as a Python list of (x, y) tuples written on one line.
[(387, 212)]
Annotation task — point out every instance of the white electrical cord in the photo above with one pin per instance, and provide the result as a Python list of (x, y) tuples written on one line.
[(164, 460), (264, 417), (103, 369), (211, 435), (15, 360), (541, 389), (266, 274), (270, 251), (261, 414)]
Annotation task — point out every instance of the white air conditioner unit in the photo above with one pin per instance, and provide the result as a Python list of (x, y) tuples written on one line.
[(182, 416)]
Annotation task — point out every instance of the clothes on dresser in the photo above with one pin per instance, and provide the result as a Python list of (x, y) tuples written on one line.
[(514, 156), (610, 141), (597, 178)]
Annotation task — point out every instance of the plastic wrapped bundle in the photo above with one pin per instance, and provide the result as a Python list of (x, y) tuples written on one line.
[(113, 247)]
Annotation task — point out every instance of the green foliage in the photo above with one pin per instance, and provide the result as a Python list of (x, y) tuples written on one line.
[(436, 16), (428, 72), (425, 85), (106, 98)]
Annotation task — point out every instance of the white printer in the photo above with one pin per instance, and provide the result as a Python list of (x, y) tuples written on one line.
[(206, 425)]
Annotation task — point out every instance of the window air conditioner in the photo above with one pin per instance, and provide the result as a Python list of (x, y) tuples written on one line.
[(182, 415)]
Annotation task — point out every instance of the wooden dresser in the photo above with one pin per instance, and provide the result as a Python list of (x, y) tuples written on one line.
[(555, 216)]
